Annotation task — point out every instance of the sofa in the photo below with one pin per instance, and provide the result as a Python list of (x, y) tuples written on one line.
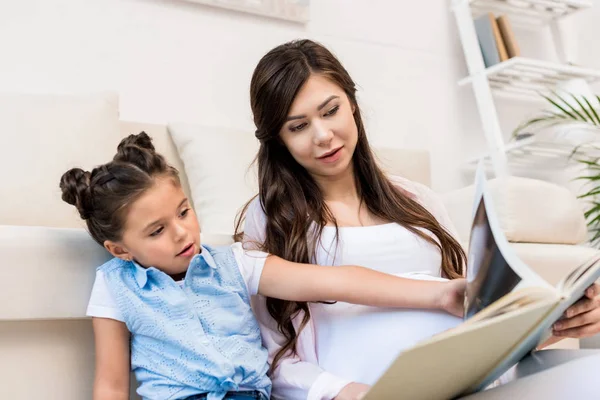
[(48, 259)]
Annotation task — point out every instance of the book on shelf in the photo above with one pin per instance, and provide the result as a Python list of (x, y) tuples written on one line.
[(496, 39), (508, 36), (509, 312)]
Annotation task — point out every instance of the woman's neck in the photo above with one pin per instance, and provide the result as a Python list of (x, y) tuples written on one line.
[(341, 187)]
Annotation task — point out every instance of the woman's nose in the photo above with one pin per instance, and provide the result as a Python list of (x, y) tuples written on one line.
[(322, 134)]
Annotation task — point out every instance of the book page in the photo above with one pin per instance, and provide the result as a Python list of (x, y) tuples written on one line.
[(493, 268)]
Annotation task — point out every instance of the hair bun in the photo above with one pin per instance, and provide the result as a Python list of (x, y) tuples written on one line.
[(75, 187), (139, 151), (141, 140)]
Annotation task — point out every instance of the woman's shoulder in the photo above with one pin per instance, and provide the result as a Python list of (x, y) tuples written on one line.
[(415, 190)]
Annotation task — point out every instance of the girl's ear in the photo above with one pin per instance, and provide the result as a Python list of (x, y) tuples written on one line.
[(118, 250)]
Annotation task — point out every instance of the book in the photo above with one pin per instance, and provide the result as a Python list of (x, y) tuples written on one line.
[(509, 312), (490, 40), (508, 36)]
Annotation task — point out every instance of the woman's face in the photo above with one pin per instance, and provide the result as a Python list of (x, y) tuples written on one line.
[(320, 132)]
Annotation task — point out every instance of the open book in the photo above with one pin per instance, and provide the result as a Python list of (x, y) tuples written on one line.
[(509, 311)]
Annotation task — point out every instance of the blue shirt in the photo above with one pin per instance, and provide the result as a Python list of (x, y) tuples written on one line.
[(199, 338)]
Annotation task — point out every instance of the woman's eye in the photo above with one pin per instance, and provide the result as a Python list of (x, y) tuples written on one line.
[(157, 232), (332, 111), (184, 212), (298, 127)]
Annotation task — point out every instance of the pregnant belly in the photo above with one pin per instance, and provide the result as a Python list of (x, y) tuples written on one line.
[(359, 342)]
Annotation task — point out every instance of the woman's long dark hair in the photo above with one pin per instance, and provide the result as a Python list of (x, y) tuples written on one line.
[(288, 193)]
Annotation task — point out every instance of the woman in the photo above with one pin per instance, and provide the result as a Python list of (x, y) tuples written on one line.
[(322, 198)]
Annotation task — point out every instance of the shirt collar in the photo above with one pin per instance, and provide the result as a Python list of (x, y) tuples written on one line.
[(141, 274)]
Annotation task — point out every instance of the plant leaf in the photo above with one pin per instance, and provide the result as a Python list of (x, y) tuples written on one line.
[(569, 105), (555, 104), (589, 118), (592, 109), (592, 192)]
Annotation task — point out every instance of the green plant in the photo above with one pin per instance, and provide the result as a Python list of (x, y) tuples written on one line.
[(578, 113)]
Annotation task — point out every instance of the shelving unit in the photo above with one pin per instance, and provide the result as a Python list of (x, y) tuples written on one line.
[(529, 13), (526, 77), (518, 77)]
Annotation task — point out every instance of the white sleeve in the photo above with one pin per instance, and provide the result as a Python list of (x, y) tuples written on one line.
[(251, 264), (254, 225), (101, 303), (428, 199)]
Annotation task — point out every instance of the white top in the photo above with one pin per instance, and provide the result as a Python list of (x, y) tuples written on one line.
[(380, 333), (344, 343), (103, 305)]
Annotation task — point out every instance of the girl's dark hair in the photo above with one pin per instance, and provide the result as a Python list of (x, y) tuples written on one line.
[(104, 195), (287, 192)]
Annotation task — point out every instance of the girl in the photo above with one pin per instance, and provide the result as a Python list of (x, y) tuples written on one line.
[(178, 312), (315, 160)]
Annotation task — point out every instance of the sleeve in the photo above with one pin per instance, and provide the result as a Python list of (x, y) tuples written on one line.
[(428, 199), (251, 264), (254, 226), (101, 303), (297, 377)]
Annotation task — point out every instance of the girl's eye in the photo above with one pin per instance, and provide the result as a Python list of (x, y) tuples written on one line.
[(157, 232), (298, 127), (332, 111), (184, 212)]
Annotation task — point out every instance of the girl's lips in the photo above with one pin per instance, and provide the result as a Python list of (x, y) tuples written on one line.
[(187, 251)]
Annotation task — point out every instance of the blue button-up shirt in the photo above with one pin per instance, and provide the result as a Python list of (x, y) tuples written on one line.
[(199, 338)]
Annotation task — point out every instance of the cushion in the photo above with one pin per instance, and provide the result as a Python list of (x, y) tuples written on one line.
[(529, 210), (222, 177), (43, 136), (60, 272), (219, 169)]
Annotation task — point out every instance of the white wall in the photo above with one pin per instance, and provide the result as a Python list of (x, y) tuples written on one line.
[(173, 60)]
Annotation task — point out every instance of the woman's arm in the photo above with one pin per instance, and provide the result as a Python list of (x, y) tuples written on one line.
[(307, 282), (112, 359)]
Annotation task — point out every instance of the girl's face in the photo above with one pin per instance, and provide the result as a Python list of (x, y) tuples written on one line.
[(161, 229), (320, 131)]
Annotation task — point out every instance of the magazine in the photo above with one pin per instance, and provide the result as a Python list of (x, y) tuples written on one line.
[(509, 311)]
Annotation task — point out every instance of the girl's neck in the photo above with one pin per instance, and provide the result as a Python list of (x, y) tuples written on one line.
[(178, 277), (341, 187)]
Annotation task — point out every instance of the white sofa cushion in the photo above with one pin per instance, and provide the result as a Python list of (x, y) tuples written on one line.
[(529, 210), (42, 137), (51, 274), (222, 178), (219, 169)]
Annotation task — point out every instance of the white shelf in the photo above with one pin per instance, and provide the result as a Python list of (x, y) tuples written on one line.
[(531, 154), (526, 78), (529, 13)]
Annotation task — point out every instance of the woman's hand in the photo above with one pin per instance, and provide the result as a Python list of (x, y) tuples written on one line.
[(582, 319), (353, 391), (452, 296)]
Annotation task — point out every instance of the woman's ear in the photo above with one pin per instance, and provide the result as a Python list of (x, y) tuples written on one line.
[(118, 250)]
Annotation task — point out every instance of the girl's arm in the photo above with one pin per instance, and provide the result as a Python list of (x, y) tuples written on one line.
[(112, 359), (307, 282)]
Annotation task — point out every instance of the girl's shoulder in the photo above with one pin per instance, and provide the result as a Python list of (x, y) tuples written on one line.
[(112, 265)]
